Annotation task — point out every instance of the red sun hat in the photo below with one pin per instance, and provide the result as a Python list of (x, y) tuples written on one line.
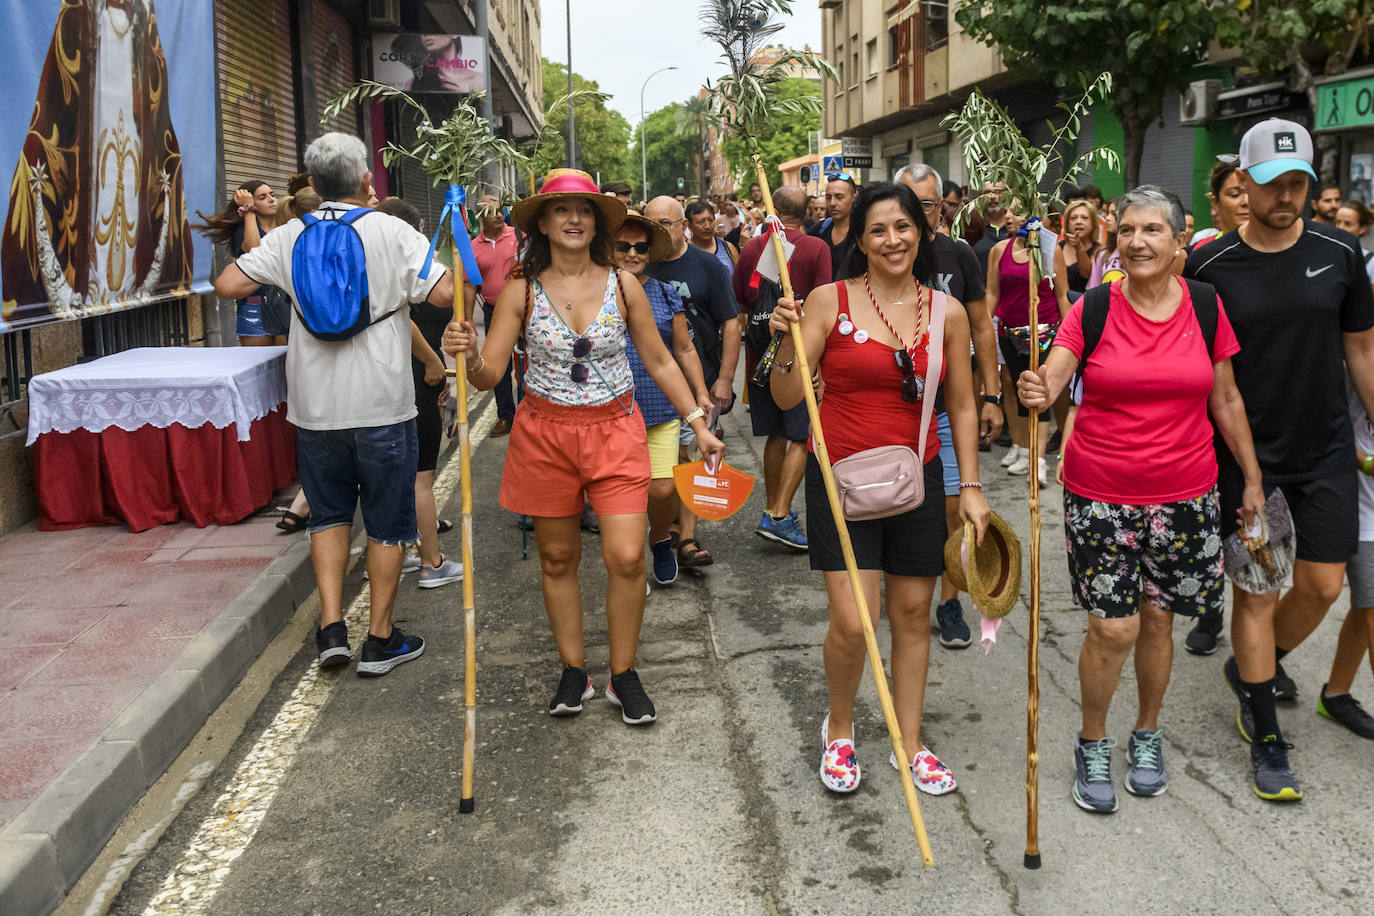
[(564, 183)]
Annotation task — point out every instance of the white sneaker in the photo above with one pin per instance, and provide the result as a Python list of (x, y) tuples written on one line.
[(1044, 481), (1021, 466), (1010, 457)]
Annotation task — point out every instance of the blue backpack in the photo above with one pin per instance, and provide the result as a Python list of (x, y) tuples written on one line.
[(329, 272)]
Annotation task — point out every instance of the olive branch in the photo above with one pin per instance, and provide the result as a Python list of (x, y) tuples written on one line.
[(998, 153)]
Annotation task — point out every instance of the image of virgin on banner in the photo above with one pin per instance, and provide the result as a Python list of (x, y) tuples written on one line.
[(97, 213)]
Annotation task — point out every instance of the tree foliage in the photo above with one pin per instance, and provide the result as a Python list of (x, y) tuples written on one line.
[(671, 154), (694, 122), (1149, 48), (782, 137), (603, 134)]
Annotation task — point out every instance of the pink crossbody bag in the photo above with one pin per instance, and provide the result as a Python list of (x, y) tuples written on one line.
[(889, 480)]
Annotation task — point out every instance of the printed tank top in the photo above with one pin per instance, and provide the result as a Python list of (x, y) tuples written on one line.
[(550, 343)]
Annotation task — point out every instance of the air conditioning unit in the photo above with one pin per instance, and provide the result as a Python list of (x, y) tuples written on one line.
[(1199, 103), (937, 9), (384, 13)]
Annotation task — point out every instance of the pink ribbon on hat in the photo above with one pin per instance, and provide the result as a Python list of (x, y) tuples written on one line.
[(990, 625)]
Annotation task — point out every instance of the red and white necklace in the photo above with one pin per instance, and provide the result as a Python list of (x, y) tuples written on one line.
[(923, 331)]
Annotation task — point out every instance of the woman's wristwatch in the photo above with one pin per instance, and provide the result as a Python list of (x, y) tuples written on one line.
[(993, 399), (696, 413)]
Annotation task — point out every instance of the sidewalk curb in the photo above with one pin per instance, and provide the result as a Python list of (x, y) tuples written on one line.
[(46, 849)]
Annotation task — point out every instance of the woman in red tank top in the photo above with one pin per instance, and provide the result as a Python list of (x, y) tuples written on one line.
[(869, 338)]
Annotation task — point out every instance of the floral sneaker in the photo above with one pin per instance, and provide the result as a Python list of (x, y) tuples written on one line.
[(930, 775), (839, 766)]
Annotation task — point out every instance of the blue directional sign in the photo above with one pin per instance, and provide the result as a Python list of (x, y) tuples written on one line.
[(831, 165)]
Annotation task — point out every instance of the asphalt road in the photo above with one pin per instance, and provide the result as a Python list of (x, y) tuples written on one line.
[(341, 794)]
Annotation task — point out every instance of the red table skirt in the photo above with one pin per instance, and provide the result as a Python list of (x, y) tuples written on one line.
[(153, 476)]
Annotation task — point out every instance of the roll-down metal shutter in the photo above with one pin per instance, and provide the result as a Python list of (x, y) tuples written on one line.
[(334, 73), (256, 95), (1168, 156)]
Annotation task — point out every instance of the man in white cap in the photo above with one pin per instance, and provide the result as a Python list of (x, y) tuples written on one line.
[(1301, 305)]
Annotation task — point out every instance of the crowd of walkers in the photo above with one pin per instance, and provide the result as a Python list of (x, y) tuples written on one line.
[(1188, 376)]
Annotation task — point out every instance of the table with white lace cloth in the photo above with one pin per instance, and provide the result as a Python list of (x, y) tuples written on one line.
[(159, 386)]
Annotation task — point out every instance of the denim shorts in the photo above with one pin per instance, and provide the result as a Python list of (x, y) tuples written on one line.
[(372, 464), (947, 459), (248, 318)]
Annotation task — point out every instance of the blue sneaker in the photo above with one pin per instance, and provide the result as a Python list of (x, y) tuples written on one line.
[(665, 562), (381, 655), (1092, 786), (954, 633), (782, 531)]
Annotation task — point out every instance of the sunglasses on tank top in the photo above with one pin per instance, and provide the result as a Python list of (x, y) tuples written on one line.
[(581, 347), (912, 387)]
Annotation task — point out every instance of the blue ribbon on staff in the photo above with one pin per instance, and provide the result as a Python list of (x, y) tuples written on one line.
[(455, 213)]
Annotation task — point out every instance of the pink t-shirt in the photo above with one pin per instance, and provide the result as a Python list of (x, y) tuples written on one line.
[(1142, 435)]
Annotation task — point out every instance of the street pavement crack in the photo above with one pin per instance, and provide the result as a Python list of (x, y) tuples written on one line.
[(1004, 879)]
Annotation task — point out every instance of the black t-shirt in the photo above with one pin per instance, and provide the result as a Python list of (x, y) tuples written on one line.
[(839, 253), (957, 276), (703, 284), (990, 238), (1289, 310), (431, 320)]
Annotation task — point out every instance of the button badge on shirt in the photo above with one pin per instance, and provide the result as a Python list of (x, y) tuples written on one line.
[(860, 336), (846, 326)]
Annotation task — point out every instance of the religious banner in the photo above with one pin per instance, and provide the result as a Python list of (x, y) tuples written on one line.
[(108, 117), (430, 63)]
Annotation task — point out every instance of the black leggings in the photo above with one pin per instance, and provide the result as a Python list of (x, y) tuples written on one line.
[(1016, 364)]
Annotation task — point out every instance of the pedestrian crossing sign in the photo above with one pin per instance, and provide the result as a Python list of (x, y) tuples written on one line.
[(831, 165)]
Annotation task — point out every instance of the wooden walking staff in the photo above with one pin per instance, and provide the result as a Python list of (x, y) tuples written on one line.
[(875, 657), (1032, 859)]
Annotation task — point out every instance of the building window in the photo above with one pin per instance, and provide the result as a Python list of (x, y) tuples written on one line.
[(854, 66), (872, 50), (936, 23), (894, 47)]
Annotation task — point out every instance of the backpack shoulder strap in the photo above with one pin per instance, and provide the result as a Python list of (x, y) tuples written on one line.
[(351, 216), (1096, 302), (1204, 296)]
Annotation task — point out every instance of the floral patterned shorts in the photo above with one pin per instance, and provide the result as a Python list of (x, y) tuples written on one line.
[(1168, 554)]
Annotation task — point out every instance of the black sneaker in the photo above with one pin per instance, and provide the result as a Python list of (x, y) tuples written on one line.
[(1346, 710), (332, 643), (1274, 779), (1055, 440), (381, 655), (1202, 638), (573, 687), (954, 633), (1285, 690), (625, 691), (1004, 439), (1245, 718)]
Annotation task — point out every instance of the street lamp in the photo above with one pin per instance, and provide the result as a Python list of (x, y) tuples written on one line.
[(643, 150)]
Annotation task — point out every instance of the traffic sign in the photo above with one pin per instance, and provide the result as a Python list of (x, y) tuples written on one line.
[(831, 165)]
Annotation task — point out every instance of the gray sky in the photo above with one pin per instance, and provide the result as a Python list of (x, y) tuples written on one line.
[(620, 42)]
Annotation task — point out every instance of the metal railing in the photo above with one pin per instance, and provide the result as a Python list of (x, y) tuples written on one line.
[(162, 324), (18, 369)]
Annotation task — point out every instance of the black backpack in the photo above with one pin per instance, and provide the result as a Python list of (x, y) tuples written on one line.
[(1097, 301), (757, 337)]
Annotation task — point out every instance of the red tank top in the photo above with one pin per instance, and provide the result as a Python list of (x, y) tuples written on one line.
[(862, 406)]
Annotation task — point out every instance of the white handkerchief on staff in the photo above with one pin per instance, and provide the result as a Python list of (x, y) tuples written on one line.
[(768, 261)]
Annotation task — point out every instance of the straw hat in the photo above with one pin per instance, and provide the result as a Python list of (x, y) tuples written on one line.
[(992, 576), (561, 183), (660, 242)]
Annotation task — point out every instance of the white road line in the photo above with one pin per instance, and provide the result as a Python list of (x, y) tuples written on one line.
[(226, 832)]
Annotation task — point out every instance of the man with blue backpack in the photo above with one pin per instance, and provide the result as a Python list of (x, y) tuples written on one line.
[(351, 273)]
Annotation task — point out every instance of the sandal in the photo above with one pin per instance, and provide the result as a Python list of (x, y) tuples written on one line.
[(839, 767), (445, 526), (293, 523), (930, 775), (691, 555)]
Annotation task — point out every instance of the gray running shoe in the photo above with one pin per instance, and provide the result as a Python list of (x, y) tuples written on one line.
[(1092, 789), (1274, 779), (1245, 718), (435, 576), (1145, 763), (1346, 710)]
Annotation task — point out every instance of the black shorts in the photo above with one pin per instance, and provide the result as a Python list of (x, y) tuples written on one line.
[(428, 423), (910, 544), (1017, 363), (768, 419), (1325, 510)]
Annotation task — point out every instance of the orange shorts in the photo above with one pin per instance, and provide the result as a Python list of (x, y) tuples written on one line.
[(558, 453)]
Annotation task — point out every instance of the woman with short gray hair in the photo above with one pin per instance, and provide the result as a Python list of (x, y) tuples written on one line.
[(1141, 510)]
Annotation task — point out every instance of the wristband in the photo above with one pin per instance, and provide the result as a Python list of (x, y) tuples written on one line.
[(481, 364), (696, 413), (993, 399), (974, 484), (1367, 465), (244, 211)]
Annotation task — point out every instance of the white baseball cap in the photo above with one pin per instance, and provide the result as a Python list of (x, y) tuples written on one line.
[(1275, 146)]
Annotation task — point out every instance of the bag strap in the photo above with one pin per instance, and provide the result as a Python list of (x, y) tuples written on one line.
[(1204, 296), (1096, 302), (934, 358)]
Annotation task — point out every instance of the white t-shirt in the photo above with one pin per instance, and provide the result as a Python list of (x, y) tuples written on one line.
[(1364, 442), (365, 380)]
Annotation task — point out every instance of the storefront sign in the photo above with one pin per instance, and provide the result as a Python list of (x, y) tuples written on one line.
[(1349, 103), (857, 152), (1240, 105), (109, 111), (430, 63)]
